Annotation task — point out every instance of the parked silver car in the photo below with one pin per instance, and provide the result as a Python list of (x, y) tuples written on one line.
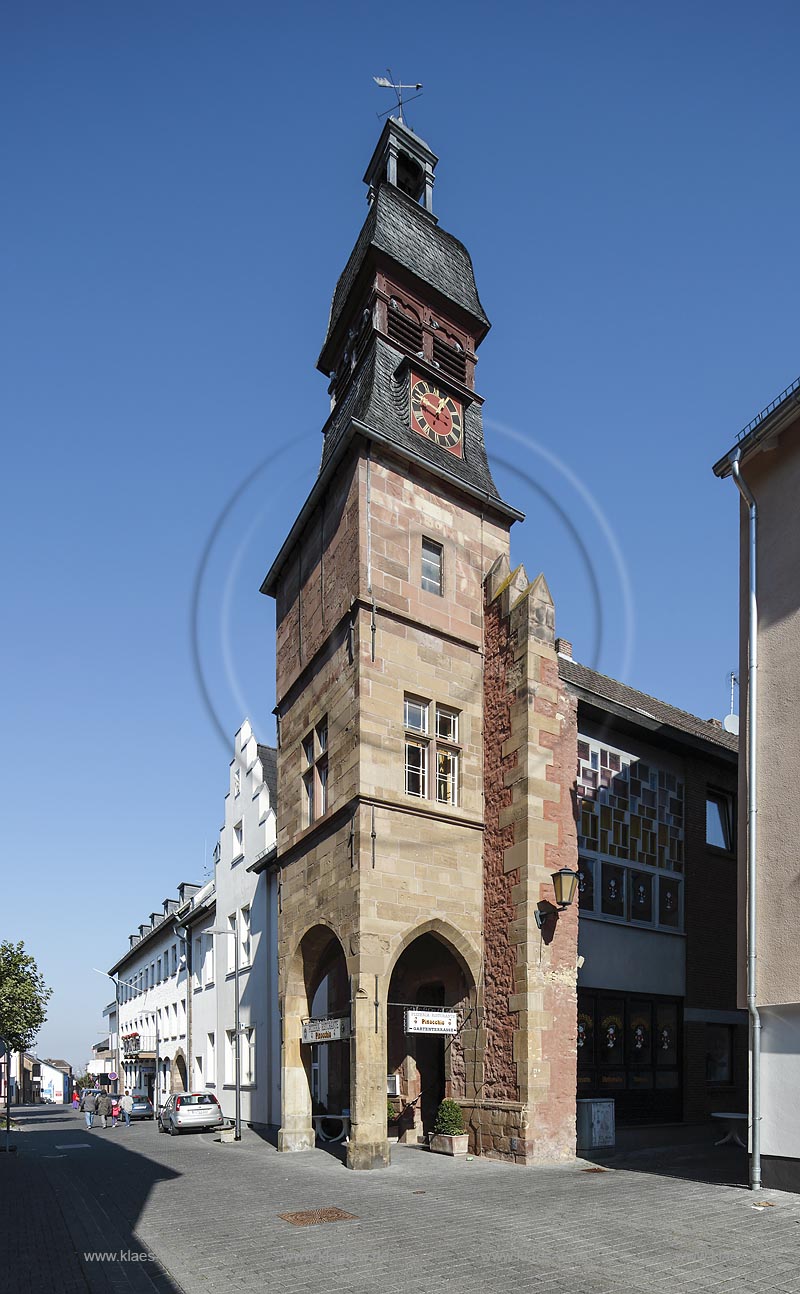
[(186, 1110)]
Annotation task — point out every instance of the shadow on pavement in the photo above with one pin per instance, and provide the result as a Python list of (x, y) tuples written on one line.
[(714, 1165), (72, 1200)]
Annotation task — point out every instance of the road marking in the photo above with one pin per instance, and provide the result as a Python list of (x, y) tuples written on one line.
[(74, 1145)]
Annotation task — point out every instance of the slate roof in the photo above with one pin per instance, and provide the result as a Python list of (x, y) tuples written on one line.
[(269, 763), (403, 230), (644, 706), (378, 399)]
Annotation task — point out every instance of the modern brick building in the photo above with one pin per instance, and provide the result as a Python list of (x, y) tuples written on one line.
[(659, 1029)]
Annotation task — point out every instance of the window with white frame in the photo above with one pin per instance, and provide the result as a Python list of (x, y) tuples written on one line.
[(197, 969), (231, 944), (238, 840), (208, 978), (720, 821), (432, 566), (314, 773), (244, 937), (198, 1069), (431, 757), (210, 1068), (174, 959), (248, 1056), (182, 1018), (158, 973), (230, 1056)]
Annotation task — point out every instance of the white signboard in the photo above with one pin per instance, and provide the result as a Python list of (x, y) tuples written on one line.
[(325, 1030), (418, 1020)]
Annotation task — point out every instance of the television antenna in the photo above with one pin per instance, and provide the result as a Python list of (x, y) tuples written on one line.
[(389, 83), (731, 721)]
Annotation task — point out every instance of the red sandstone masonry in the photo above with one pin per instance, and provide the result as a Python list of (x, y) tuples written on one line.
[(500, 1076)]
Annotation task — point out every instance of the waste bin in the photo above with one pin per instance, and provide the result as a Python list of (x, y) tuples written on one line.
[(596, 1128)]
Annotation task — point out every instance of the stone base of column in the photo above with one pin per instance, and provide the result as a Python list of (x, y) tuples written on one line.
[(369, 1154), (300, 1138)]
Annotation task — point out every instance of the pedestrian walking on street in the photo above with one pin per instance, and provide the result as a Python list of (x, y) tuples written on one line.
[(87, 1105), (75, 1101), (126, 1105), (103, 1107)]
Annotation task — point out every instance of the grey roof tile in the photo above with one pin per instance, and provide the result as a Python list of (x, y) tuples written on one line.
[(377, 398), (609, 689), (405, 231)]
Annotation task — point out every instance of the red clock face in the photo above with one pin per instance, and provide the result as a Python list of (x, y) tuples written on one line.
[(437, 416)]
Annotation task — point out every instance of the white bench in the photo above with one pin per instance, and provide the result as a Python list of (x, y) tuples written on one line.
[(343, 1120)]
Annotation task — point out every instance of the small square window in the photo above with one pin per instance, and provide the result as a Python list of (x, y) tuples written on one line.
[(432, 564), (446, 724), (416, 715)]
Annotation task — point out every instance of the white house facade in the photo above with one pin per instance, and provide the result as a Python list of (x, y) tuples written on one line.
[(239, 910), (152, 991), (247, 905)]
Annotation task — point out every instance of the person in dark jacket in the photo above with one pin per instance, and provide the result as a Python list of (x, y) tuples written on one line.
[(87, 1106), (102, 1107)]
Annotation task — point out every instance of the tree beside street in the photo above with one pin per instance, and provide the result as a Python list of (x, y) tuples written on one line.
[(23, 996)]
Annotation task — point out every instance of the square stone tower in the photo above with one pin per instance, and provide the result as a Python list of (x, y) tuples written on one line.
[(426, 749)]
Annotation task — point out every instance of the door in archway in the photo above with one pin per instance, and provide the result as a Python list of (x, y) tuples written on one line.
[(180, 1065), (429, 1049)]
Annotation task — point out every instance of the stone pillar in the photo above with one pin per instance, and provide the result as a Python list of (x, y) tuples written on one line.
[(297, 1130), (368, 1146), (531, 825)]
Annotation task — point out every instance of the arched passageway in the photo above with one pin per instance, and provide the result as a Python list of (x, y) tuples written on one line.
[(429, 1066), (316, 1076)]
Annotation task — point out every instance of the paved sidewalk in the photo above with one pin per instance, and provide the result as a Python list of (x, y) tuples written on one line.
[(209, 1216)]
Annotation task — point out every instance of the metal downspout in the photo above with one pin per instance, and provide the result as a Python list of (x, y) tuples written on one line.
[(752, 823)]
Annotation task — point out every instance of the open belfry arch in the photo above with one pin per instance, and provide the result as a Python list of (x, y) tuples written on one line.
[(426, 749)]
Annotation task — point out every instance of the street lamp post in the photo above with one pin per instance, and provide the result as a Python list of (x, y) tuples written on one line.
[(237, 1127)]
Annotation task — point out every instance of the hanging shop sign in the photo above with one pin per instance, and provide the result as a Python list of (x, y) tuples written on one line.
[(420, 1020), (331, 1030)]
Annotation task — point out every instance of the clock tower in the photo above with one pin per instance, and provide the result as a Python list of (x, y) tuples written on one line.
[(425, 745)]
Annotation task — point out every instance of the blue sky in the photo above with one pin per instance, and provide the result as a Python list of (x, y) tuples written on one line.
[(182, 188)]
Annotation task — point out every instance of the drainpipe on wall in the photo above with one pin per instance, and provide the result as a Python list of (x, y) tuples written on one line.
[(752, 821)]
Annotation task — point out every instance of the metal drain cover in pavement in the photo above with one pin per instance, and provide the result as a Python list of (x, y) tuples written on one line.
[(310, 1217)]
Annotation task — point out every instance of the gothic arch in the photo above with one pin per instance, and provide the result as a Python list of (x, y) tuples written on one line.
[(459, 944)]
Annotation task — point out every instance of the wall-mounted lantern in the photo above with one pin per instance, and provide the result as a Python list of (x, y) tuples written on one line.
[(564, 884)]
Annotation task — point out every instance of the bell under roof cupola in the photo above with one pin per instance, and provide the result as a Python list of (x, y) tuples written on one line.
[(403, 159)]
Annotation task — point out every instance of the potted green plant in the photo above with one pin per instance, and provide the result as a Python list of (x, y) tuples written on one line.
[(392, 1120), (449, 1136)]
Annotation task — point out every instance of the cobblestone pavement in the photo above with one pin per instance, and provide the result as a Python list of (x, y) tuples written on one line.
[(208, 1217)]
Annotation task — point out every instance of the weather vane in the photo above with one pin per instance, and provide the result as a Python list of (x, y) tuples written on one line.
[(388, 83)]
